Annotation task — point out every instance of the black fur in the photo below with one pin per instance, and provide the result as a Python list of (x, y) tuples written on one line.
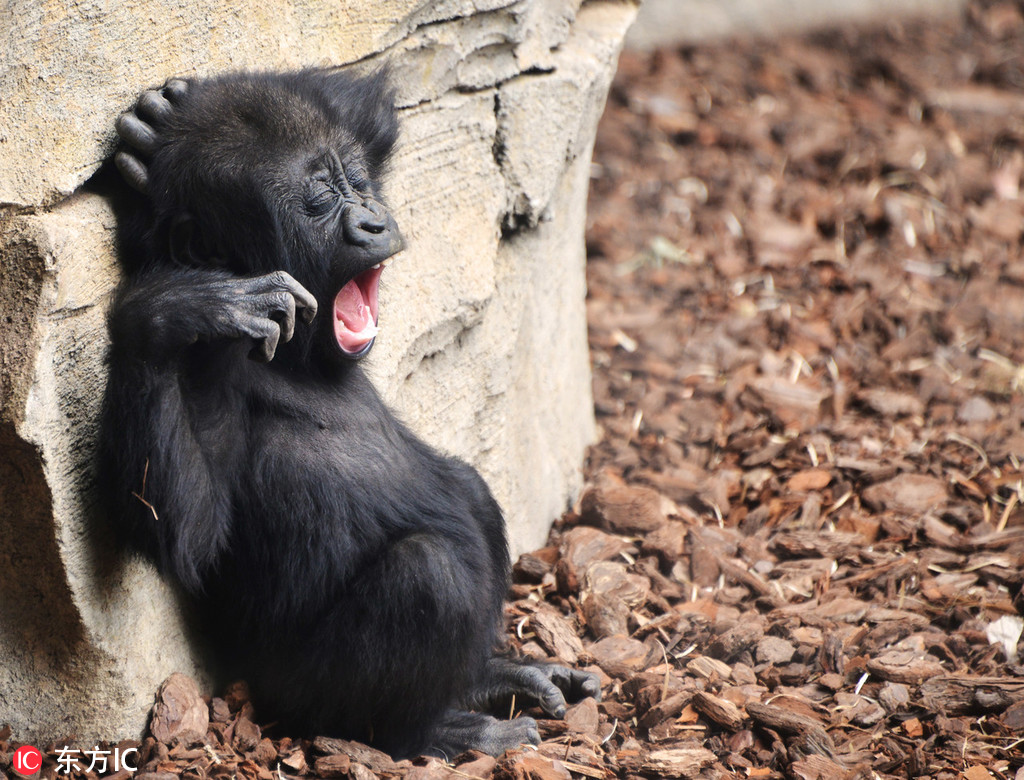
[(350, 573)]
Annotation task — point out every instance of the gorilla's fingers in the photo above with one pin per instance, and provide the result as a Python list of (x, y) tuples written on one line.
[(133, 171), (304, 300), (585, 684), (267, 333), (572, 683), (175, 89), (136, 133), (502, 735), (154, 107), (535, 682), (266, 307), (308, 312), (280, 307)]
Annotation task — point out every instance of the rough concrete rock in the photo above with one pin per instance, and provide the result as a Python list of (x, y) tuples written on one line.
[(483, 343)]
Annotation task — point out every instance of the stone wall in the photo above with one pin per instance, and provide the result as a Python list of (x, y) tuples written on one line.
[(483, 344)]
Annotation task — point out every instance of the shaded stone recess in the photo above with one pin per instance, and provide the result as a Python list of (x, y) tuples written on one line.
[(483, 347)]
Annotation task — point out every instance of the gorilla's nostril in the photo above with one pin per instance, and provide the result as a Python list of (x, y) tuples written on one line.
[(373, 218), (365, 222)]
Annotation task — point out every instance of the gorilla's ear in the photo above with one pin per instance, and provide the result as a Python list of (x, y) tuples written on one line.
[(186, 245), (365, 105)]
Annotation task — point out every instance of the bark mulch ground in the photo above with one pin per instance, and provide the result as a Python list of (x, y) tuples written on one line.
[(800, 553)]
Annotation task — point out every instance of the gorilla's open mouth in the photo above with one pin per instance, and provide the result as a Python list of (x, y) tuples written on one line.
[(355, 313)]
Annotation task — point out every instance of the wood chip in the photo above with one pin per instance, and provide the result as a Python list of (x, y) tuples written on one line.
[(905, 666), (619, 655), (816, 739), (179, 709), (809, 479), (961, 694), (709, 668), (584, 545), (623, 509), (907, 493), (677, 762), (557, 635), (583, 717), (333, 766), (247, 735), (721, 711), (377, 760)]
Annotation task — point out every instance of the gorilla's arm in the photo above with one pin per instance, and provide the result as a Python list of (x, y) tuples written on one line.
[(157, 482), (163, 313), (176, 506)]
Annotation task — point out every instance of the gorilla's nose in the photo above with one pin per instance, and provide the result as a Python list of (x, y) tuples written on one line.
[(371, 226)]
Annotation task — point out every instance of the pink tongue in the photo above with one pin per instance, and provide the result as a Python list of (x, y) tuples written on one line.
[(355, 311), (354, 326), (352, 308)]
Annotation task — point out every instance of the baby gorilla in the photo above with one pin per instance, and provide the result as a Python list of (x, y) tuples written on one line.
[(354, 576)]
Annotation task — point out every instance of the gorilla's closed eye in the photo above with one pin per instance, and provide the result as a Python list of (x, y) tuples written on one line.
[(322, 198), (357, 176)]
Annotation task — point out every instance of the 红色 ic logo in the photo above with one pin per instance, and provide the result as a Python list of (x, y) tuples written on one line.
[(27, 760)]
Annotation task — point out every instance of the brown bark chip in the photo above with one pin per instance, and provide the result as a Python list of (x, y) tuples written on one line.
[(819, 768), (623, 509), (907, 493), (295, 762), (809, 479), (962, 694), (665, 708), (583, 718), (584, 545), (247, 735), (530, 766), (721, 711), (605, 615), (613, 579), (557, 636), (360, 772), (813, 737), (619, 655), (668, 542), (333, 766), (377, 760), (680, 762), (479, 767), (905, 666), (774, 650), (179, 709)]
